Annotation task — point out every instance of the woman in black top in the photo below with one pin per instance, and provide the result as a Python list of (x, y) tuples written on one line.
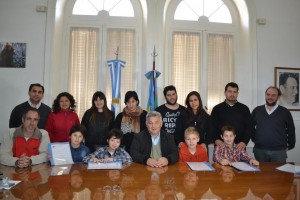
[(131, 120), (194, 115), (98, 121)]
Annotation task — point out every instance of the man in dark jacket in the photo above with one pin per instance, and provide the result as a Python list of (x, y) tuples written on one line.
[(154, 146)]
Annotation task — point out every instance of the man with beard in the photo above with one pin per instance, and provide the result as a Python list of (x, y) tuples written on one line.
[(274, 129), (36, 94), (232, 113), (171, 113)]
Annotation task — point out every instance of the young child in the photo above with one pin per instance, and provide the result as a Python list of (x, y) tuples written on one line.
[(112, 152), (78, 149), (191, 151), (228, 153)]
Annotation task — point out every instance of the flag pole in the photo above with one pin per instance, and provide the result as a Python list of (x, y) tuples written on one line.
[(154, 54)]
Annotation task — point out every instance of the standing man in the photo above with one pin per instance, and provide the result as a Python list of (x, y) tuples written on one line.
[(154, 146), (232, 113), (26, 145), (274, 129), (171, 113), (35, 93)]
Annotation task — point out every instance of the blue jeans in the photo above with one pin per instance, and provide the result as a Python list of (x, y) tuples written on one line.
[(269, 155)]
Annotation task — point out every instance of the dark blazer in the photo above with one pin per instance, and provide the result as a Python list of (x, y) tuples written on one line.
[(141, 147)]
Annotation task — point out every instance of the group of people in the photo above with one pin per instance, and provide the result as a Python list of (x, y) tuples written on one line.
[(170, 133)]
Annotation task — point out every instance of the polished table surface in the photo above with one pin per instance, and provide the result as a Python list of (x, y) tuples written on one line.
[(138, 181)]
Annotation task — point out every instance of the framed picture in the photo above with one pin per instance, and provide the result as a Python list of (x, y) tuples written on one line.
[(12, 55), (287, 80)]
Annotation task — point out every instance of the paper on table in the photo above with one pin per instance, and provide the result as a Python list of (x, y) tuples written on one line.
[(60, 153), (290, 168), (200, 166), (10, 184), (242, 166), (107, 165)]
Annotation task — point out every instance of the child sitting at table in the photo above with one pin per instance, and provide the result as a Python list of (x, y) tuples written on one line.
[(191, 151), (112, 152), (227, 153), (78, 149)]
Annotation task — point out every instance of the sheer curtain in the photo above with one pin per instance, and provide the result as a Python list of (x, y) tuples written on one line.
[(220, 66), (125, 39), (186, 62), (83, 66)]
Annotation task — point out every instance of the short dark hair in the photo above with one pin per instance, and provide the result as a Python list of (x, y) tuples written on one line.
[(31, 109), (115, 133), (130, 94), (232, 84), (273, 87), (78, 128), (283, 77), (36, 84), (227, 128), (169, 88)]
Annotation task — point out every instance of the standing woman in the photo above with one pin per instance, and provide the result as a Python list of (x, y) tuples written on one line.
[(62, 118), (98, 121), (132, 120), (194, 115)]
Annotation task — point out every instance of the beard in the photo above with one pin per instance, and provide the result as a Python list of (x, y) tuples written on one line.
[(168, 102), (271, 104)]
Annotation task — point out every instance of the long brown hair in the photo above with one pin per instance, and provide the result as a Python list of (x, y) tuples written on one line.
[(107, 113), (200, 111)]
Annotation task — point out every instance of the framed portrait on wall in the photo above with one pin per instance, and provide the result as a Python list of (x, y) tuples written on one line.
[(287, 80)]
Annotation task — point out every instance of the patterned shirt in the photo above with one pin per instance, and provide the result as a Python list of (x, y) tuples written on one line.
[(232, 154), (119, 155)]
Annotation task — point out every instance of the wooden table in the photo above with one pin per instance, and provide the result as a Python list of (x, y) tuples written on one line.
[(141, 182)]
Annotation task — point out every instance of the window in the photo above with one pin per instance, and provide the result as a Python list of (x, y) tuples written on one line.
[(121, 8), (202, 54), (91, 47), (213, 10)]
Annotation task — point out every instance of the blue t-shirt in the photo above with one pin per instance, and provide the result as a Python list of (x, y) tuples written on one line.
[(79, 153)]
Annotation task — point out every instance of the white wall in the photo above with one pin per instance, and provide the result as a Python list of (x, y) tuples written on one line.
[(277, 45), (19, 22)]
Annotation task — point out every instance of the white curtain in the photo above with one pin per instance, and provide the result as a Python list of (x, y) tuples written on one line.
[(186, 63), (220, 66), (83, 66)]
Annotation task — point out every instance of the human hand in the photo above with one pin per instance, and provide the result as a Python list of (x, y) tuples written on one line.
[(180, 144), (220, 143), (49, 156), (24, 161), (105, 160), (152, 162), (254, 162), (162, 161), (241, 145), (204, 146), (225, 162)]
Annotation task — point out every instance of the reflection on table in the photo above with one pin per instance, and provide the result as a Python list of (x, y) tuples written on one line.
[(138, 181)]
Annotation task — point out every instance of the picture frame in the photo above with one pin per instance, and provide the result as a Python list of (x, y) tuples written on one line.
[(287, 80), (12, 55)]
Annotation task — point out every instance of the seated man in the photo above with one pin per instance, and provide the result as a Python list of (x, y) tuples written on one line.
[(154, 146), (25, 145)]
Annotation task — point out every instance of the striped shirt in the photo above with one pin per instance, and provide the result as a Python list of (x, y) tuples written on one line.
[(119, 155)]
